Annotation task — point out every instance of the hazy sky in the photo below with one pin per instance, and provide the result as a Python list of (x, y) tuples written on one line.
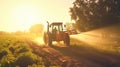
[(21, 14)]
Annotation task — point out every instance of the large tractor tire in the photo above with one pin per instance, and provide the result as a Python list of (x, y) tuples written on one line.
[(67, 40), (47, 39)]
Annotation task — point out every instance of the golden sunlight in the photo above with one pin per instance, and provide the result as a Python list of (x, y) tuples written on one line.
[(19, 15), (39, 41), (26, 15), (98, 38)]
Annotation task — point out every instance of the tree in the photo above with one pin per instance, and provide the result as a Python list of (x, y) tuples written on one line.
[(69, 26), (90, 14), (37, 28)]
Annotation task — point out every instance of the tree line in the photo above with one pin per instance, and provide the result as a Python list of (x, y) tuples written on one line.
[(90, 14)]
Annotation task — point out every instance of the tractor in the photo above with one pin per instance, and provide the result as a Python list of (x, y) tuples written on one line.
[(55, 32)]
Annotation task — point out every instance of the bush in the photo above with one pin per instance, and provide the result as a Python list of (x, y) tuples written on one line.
[(8, 61), (26, 59), (3, 53)]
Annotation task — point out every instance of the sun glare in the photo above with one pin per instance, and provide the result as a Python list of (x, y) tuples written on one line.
[(26, 16)]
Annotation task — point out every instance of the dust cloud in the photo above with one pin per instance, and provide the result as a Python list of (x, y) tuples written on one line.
[(39, 41), (102, 38)]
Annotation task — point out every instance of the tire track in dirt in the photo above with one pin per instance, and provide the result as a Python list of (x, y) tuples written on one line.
[(49, 55)]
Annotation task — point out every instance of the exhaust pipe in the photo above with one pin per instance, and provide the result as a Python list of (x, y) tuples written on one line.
[(48, 27)]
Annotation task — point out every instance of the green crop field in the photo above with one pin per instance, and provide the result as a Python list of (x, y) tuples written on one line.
[(15, 52)]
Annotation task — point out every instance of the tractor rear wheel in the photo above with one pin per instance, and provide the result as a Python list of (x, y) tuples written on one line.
[(47, 39), (67, 40)]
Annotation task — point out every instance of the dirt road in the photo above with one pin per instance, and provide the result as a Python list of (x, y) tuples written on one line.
[(86, 50), (95, 50)]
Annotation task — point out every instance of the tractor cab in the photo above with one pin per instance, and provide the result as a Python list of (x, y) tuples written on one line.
[(56, 27)]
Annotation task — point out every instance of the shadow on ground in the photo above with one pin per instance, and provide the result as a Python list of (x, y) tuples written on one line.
[(90, 55)]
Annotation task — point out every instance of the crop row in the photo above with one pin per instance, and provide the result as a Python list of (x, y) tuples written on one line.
[(15, 52)]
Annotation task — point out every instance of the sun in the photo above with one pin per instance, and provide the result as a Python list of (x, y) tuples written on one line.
[(26, 16)]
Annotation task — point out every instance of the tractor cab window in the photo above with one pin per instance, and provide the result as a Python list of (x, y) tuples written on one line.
[(60, 28), (57, 27)]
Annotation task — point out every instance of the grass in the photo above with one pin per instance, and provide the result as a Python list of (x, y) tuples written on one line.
[(93, 55), (111, 48)]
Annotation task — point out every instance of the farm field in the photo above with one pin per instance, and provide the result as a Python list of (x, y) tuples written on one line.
[(86, 50), (59, 33), (15, 52)]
